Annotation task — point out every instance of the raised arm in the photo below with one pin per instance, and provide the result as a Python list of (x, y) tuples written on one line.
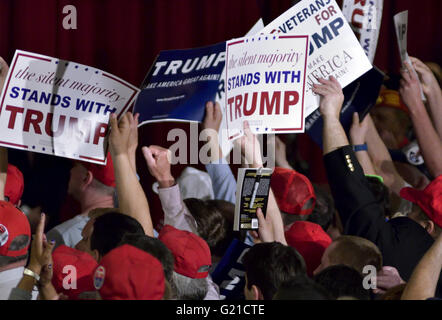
[(40, 259), (381, 158), (360, 214), (223, 181), (175, 211), (423, 282), (358, 132), (251, 151), (432, 91), (131, 197), (429, 142)]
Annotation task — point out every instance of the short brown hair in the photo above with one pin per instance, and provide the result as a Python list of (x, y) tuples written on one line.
[(356, 252)]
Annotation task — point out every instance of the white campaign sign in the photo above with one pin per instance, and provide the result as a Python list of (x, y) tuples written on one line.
[(59, 107), (365, 17), (401, 26), (334, 49), (265, 83), (225, 144)]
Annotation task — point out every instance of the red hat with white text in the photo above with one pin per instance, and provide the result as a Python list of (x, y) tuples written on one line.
[(15, 231), (128, 273)]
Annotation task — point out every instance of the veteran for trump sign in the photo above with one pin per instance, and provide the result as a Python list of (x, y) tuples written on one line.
[(333, 49), (59, 107), (265, 82)]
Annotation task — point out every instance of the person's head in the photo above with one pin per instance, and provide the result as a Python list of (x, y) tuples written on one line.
[(301, 288), (324, 210), (294, 194), (427, 206), (71, 265), (342, 281), (391, 118), (153, 246), (15, 236), (211, 221), (380, 192), (192, 262), (14, 185), (267, 266), (195, 183), (310, 240), (104, 233), (128, 273), (88, 180), (352, 251)]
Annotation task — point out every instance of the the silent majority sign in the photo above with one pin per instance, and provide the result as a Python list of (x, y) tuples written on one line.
[(265, 83), (59, 107)]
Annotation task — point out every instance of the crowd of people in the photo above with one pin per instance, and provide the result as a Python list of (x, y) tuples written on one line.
[(375, 232)]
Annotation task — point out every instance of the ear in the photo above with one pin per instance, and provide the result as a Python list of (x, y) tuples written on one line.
[(257, 294), (429, 226), (87, 179), (96, 255)]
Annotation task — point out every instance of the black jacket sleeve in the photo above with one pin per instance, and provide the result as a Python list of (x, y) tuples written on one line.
[(361, 215)]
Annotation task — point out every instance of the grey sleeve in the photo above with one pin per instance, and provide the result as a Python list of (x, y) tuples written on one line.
[(20, 294)]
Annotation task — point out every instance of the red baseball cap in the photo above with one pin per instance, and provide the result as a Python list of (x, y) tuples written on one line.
[(292, 191), (191, 253), (13, 223), (104, 174), (64, 258), (14, 184), (310, 240), (429, 199), (128, 273)]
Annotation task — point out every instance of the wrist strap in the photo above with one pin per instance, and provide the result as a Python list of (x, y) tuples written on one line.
[(360, 147), (31, 274)]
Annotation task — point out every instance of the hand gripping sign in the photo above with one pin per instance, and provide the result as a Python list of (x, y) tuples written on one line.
[(265, 83), (59, 107), (333, 49)]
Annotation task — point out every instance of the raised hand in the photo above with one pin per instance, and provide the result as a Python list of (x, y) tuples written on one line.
[(409, 89), (158, 161), (250, 147), (428, 80), (332, 97), (41, 249), (213, 117), (120, 133), (358, 130)]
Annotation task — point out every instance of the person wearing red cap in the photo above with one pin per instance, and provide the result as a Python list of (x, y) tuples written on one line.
[(192, 262), (72, 273), (294, 194), (15, 233), (310, 240), (128, 273), (93, 186), (402, 241)]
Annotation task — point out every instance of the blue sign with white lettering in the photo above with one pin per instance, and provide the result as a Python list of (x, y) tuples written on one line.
[(179, 84)]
